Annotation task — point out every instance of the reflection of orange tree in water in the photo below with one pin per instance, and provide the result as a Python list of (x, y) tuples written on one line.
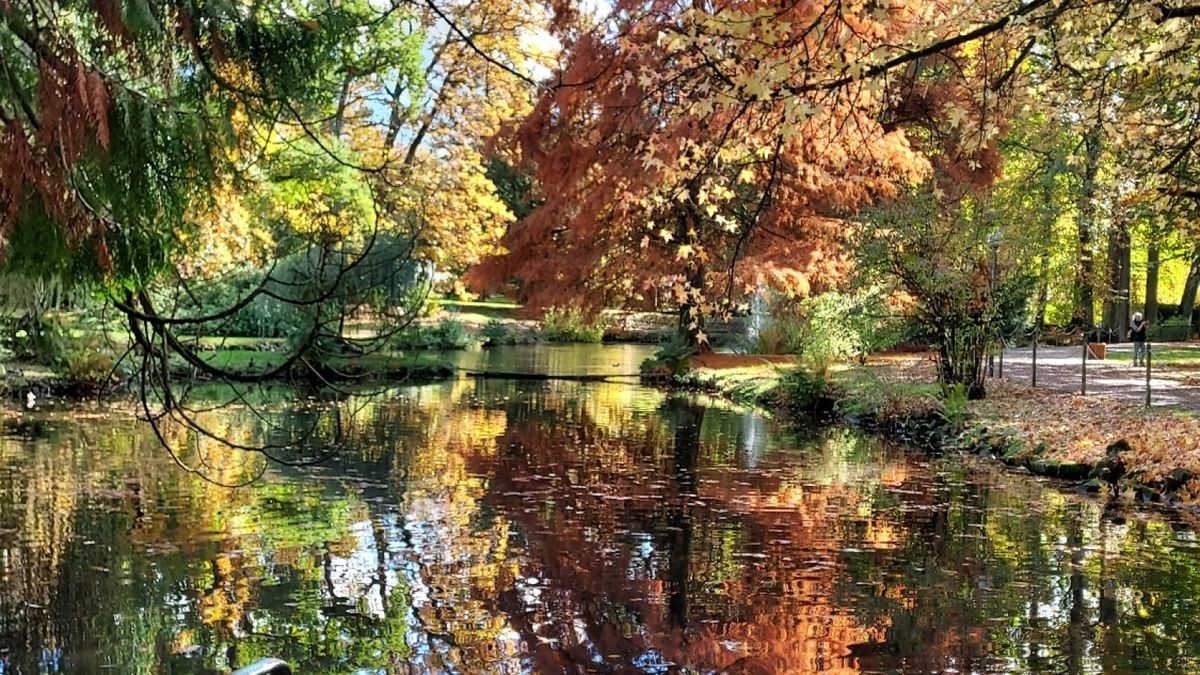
[(311, 598), (636, 525), (645, 554)]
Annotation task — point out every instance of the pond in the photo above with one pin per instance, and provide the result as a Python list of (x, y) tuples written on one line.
[(497, 526)]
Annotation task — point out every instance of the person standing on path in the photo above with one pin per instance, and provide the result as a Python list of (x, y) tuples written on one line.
[(1137, 333)]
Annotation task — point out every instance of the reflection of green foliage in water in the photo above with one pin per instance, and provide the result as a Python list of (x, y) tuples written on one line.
[(637, 514), (142, 591)]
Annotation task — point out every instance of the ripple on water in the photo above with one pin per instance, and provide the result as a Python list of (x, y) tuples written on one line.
[(491, 526)]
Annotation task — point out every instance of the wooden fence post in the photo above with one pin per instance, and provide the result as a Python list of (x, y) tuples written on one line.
[(1083, 371), (1147, 374), (1035, 339)]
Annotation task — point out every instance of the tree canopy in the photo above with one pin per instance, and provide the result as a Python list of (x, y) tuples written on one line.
[(331, 158)]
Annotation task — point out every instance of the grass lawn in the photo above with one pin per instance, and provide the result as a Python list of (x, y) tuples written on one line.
[(741, 377), (479, 304), (242, 359), (250, 360), (241, 343), (1164, 356)]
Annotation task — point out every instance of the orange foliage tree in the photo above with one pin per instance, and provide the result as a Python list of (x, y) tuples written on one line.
[(720, 146)]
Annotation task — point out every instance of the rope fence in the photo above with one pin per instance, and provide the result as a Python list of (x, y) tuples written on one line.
[(1088, 352)]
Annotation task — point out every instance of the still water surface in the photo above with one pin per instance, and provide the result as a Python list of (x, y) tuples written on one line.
[(493, 526)]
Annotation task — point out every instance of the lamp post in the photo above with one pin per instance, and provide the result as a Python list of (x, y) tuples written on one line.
[(993, 242)]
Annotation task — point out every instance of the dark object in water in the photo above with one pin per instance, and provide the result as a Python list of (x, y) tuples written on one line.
[(265, 667)]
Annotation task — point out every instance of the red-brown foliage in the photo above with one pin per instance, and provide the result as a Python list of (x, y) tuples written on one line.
[(701, 148)]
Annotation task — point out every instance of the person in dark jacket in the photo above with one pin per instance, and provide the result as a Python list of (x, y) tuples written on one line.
[(1137, 333)]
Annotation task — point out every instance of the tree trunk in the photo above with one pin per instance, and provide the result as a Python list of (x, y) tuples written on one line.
[(1047, 233), (1151, 311), (398, 113), (396, 117), (1188, 302), (691, 317), (961, 350), (340, 116), (1116, 297), (1084, 316)]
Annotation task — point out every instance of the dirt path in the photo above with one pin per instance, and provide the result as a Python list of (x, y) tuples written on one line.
[(1059, 368)]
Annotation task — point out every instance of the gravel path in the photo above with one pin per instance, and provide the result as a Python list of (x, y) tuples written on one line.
[(1059, 368)]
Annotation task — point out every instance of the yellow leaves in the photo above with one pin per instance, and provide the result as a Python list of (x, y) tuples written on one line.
[(224, 235), (755, 89), (666, 235), (464, 219)]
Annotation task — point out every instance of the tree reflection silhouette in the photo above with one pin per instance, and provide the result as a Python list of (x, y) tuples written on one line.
[(482, 527)]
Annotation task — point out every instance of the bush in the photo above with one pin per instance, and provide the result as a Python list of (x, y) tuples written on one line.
[(35, 339), (570, 325), (672, 358), (954, 400), (89, 366), (263, 317), (1174, 328), (496, 332), (805, 389), (447, 334), (451, 334), (784, 336), (80, 351), (831, 327)]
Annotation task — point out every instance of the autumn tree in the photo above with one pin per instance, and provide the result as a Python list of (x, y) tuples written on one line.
[(720, 146), (938, 252), (137, 136)]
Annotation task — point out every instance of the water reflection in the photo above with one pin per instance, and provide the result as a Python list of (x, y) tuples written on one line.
[(502, 527)]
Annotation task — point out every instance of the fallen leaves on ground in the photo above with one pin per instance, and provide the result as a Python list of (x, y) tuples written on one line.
[(1075, 428)]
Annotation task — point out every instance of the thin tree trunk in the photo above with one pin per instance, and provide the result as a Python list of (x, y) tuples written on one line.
[(339, 117), (691, 318), (411, 155), (1188, 302), (1043, 293), (1116, 300), (1152, 255), (1084, 314), (399, 114)]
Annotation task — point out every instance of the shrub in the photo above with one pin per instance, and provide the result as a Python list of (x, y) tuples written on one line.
[(783, 336), (831, 327), (954, 402), (82, 354), (496, 332), (263, 317), (88, 367), (570, 325), (451, 334), (805, 389), (445, 335), (1174, 328), (672, 358)]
